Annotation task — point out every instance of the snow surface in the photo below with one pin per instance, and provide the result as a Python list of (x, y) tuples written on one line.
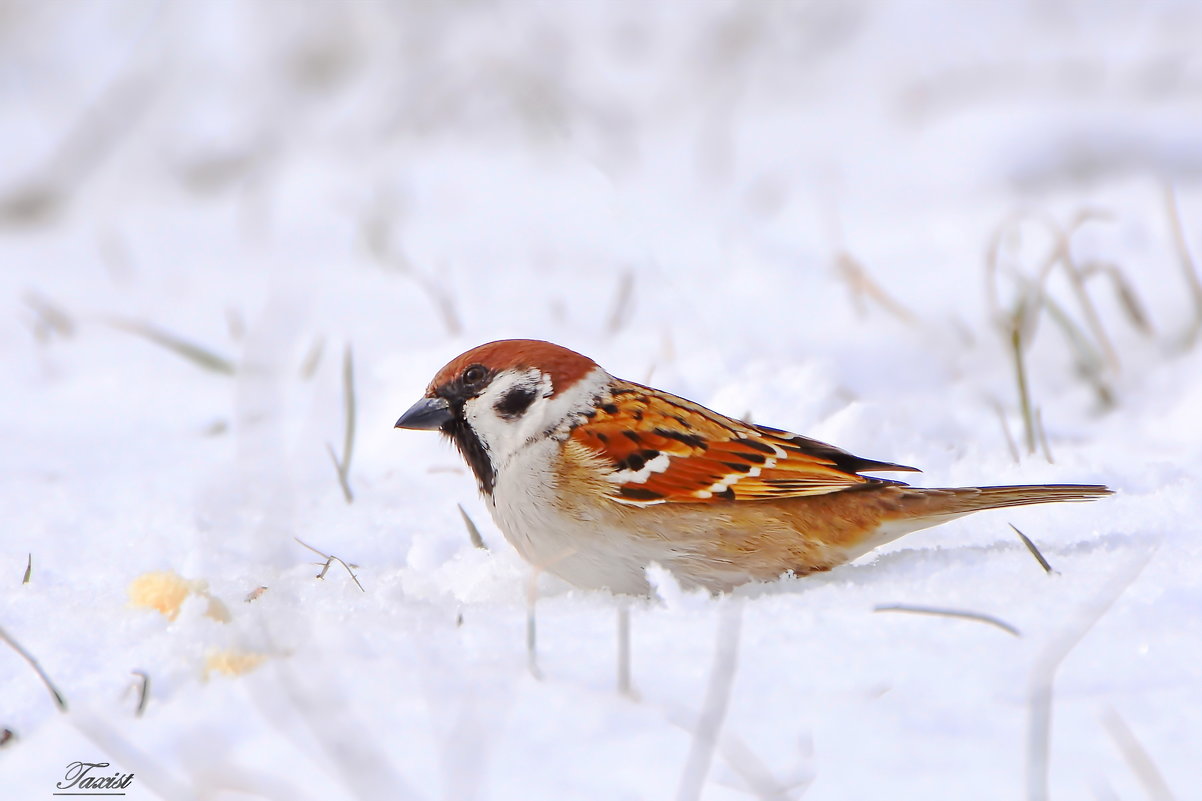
[(677, 190)]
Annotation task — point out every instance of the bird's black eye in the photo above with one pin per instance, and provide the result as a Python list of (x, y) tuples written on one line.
[(475, 375)]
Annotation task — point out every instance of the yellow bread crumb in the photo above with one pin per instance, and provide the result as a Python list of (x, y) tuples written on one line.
[(232, 663), (165, 591)]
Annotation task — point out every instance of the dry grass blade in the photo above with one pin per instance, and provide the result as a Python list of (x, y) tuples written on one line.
[(1043, 436), (1093, 354), (473, 533), (200, 356), (1188, 268), (532, 627), (621, 308), (143, 691), (348, 397), (1077, 280), (717, 697), (88, 141), (51, 318), (343, 466), (956, 613), (33, 663), (863, 286), (624, 686), (1090, 364), (1138, 758), (28, 569), (1047, 568), (1020, 377), (312, 358), (1001, 417), (442, 302), (329, 560), (1123, 291), (1043, 675)]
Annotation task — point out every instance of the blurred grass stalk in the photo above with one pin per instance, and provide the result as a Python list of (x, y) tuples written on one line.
[(1188, 268), (343, 466), (717, 699), (1043, 674)]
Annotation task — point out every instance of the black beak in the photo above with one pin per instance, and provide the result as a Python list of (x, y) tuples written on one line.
[(428, 414)]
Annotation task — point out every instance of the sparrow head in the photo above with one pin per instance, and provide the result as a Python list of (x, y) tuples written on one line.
[(498, 398)]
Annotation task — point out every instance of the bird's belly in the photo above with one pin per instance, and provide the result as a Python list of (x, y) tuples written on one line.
[(585, 553)]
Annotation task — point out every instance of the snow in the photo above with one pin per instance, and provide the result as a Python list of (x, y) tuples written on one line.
[(412, 179)]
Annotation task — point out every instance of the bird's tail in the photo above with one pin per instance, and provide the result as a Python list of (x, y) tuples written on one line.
[(963, 500)]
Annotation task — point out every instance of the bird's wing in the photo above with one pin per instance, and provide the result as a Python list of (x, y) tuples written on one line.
[(658, 448)]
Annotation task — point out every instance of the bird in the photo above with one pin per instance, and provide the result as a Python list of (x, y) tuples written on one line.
[(594, 478)]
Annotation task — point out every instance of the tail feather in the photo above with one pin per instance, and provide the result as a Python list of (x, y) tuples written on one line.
[(963, 500)]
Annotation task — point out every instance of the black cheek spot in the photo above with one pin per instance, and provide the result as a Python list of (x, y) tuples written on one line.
[(515, 402)]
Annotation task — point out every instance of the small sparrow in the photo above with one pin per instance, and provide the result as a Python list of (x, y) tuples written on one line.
[(594, 478)]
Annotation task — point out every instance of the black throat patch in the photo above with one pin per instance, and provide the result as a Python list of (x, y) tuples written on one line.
[(473, 451)]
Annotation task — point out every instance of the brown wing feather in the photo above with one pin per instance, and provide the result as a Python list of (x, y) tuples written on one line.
[(665, 449)]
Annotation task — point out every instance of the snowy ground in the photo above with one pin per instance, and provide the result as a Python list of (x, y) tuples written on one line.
[(787, 210)]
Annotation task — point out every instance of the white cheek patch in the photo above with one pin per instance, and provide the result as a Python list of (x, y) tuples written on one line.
[(657, 465), (495, 430)]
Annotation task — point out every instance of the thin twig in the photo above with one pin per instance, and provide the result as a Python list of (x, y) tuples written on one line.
[(956, 613), (143, 691), (28, 569), (330, 559), (717, 697), (1043, 675), (473, 533), (33, 663), (1047, 568), (1138, 758)]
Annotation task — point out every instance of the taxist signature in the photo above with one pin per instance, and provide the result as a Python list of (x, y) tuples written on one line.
[(79, 775)]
